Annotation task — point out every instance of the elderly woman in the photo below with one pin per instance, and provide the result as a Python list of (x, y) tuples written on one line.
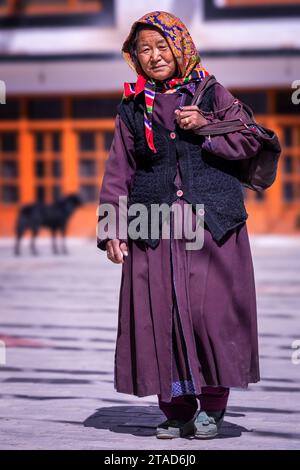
[(187, 328)]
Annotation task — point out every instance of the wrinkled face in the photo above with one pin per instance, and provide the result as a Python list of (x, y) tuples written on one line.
[(155, 55)]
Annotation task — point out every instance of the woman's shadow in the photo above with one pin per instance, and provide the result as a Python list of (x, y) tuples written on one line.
[(142, 421)]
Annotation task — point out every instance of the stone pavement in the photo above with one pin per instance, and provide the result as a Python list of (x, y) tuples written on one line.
[(58, 320)]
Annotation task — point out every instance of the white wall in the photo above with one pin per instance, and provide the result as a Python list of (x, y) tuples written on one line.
[(224, 34), (208, 36)]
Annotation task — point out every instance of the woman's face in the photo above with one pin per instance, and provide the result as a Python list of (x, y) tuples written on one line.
[(155, 55)]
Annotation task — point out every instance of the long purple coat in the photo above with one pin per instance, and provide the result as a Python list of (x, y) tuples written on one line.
[(187, 318)]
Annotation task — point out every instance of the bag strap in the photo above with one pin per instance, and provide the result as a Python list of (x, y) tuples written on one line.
[(202, 88), (266, 136), (220, 127)]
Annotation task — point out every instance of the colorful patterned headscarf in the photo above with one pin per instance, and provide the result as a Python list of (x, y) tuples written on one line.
[(185, 53)]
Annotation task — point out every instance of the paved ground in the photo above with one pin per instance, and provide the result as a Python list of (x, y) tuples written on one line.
[(58, 320)]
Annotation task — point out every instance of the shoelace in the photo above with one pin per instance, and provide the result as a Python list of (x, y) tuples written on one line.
[(204, 419)]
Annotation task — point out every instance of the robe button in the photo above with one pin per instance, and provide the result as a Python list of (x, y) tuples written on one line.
[(173, 135), (179, 193)]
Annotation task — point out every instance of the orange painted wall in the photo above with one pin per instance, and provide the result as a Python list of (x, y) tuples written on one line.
[(271, 215)]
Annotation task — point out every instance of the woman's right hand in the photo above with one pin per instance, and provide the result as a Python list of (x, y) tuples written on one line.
[(116, 250), (190, 117)]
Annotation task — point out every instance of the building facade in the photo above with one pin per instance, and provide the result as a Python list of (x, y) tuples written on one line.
[(62, 67)]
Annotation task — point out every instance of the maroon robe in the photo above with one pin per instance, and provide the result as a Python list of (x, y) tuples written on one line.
[(187, 318)]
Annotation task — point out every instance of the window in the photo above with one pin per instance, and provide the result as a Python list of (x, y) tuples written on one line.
[(288, 191), (40, 169), (87, 141), (9, 142), (40, 194), (10, 110), (284, 104), (108, 138), (39, 142), (87, 167), (39, 109), (287, 136), (246, 9), (56, 13), (288, 165), (56, 193), (56, 142), (9, 167), (291, 163), (65, 6), (89, 108), (88, 192), (257, 100), (10, 194), (47, 165), (56, 169), (45, 177), (91, 153), (32, 7)]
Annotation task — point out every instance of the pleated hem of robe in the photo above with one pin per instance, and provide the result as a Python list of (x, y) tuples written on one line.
[(200, 363)]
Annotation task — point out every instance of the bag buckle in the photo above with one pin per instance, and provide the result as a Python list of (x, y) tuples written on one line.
[(247, 127)]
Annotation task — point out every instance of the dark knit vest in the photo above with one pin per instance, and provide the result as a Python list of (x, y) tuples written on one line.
[(206, 179)]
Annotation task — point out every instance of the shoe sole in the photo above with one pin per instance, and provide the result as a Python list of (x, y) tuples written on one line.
[(207, 436), (186, 430), (166, 435)]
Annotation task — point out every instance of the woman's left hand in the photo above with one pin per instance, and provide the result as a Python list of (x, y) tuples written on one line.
[(189, 117)]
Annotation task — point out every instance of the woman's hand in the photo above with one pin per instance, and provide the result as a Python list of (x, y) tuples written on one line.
[(189, 117), (116, 250)]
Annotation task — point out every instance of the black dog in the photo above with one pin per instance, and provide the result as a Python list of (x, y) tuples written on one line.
[(53, 216)]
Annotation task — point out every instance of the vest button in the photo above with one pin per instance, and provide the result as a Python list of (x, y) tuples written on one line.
[(201, 211), (179, 193), (173, 135)]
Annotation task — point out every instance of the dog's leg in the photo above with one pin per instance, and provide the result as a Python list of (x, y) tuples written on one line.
[(20, 229), (32, 243), (18, 244), (54, 244), (64, 246)]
